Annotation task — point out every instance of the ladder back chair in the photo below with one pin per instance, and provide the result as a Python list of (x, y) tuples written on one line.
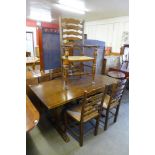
[(90, 107), (72, 37), (112, 102), (56, 73), (44, 77)]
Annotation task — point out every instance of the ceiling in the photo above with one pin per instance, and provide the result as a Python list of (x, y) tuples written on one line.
[(98, 9)]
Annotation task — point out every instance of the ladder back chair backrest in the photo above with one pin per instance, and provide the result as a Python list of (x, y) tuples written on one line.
[(92, 103), (56, 73), (117, 92), (44, 77), (71, 30)]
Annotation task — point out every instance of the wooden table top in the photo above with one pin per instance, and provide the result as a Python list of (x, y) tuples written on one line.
[(78, 58), (116, 74), (32, 115), (52, 93)]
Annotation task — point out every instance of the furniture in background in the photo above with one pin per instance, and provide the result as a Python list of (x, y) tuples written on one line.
[(28, 54), (89, 108), (119, 63), (123, 68), (32, 62), (37, 76), (108, 51), (90, 51), (31, 78), (125, 52), (49, 75), (50, 95), (32, 115), (111, 61), (112, 102), (116, 74), (44, 77)]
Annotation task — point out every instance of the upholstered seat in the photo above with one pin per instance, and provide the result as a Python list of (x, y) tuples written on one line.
[(75, 112)]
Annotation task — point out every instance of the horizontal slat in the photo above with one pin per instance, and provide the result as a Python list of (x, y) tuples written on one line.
[(71, 20), (73, 27), (91, 111), (87, 108), (92, 115), (72, 33), (72, 38), (79, 73)]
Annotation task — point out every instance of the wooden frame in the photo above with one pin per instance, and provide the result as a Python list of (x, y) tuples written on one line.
[(72, 30), (115, 96), (51, 95), (67, 61), (91, 108)]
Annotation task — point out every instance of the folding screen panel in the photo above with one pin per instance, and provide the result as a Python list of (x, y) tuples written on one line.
[(51, 48), (90, 52)]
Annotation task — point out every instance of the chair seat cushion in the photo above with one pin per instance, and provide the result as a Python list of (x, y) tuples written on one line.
[(75, 113), (106, 102)]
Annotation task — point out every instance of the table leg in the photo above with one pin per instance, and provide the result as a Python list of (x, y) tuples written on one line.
[(58, 124)]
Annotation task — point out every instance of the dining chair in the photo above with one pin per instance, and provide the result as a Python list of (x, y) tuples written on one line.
[(44, 77), (71, 40), (32, 81), (55, 73), (111, 102), (89, 108)]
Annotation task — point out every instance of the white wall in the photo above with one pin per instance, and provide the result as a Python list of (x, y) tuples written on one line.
[(31, 29), (108, 30)]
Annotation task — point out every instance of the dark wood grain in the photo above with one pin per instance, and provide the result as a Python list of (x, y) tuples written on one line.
[(53, 94), (32, 115)]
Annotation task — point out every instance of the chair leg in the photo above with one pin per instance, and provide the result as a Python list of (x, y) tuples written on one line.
[(106, 119), (97, 124), (81, 134), (102, 114), (116, 113), (66, 123)]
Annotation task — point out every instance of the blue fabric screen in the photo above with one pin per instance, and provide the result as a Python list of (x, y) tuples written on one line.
[(51, 48)]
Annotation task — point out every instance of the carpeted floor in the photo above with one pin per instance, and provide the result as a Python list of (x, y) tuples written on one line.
[(44, 140)]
